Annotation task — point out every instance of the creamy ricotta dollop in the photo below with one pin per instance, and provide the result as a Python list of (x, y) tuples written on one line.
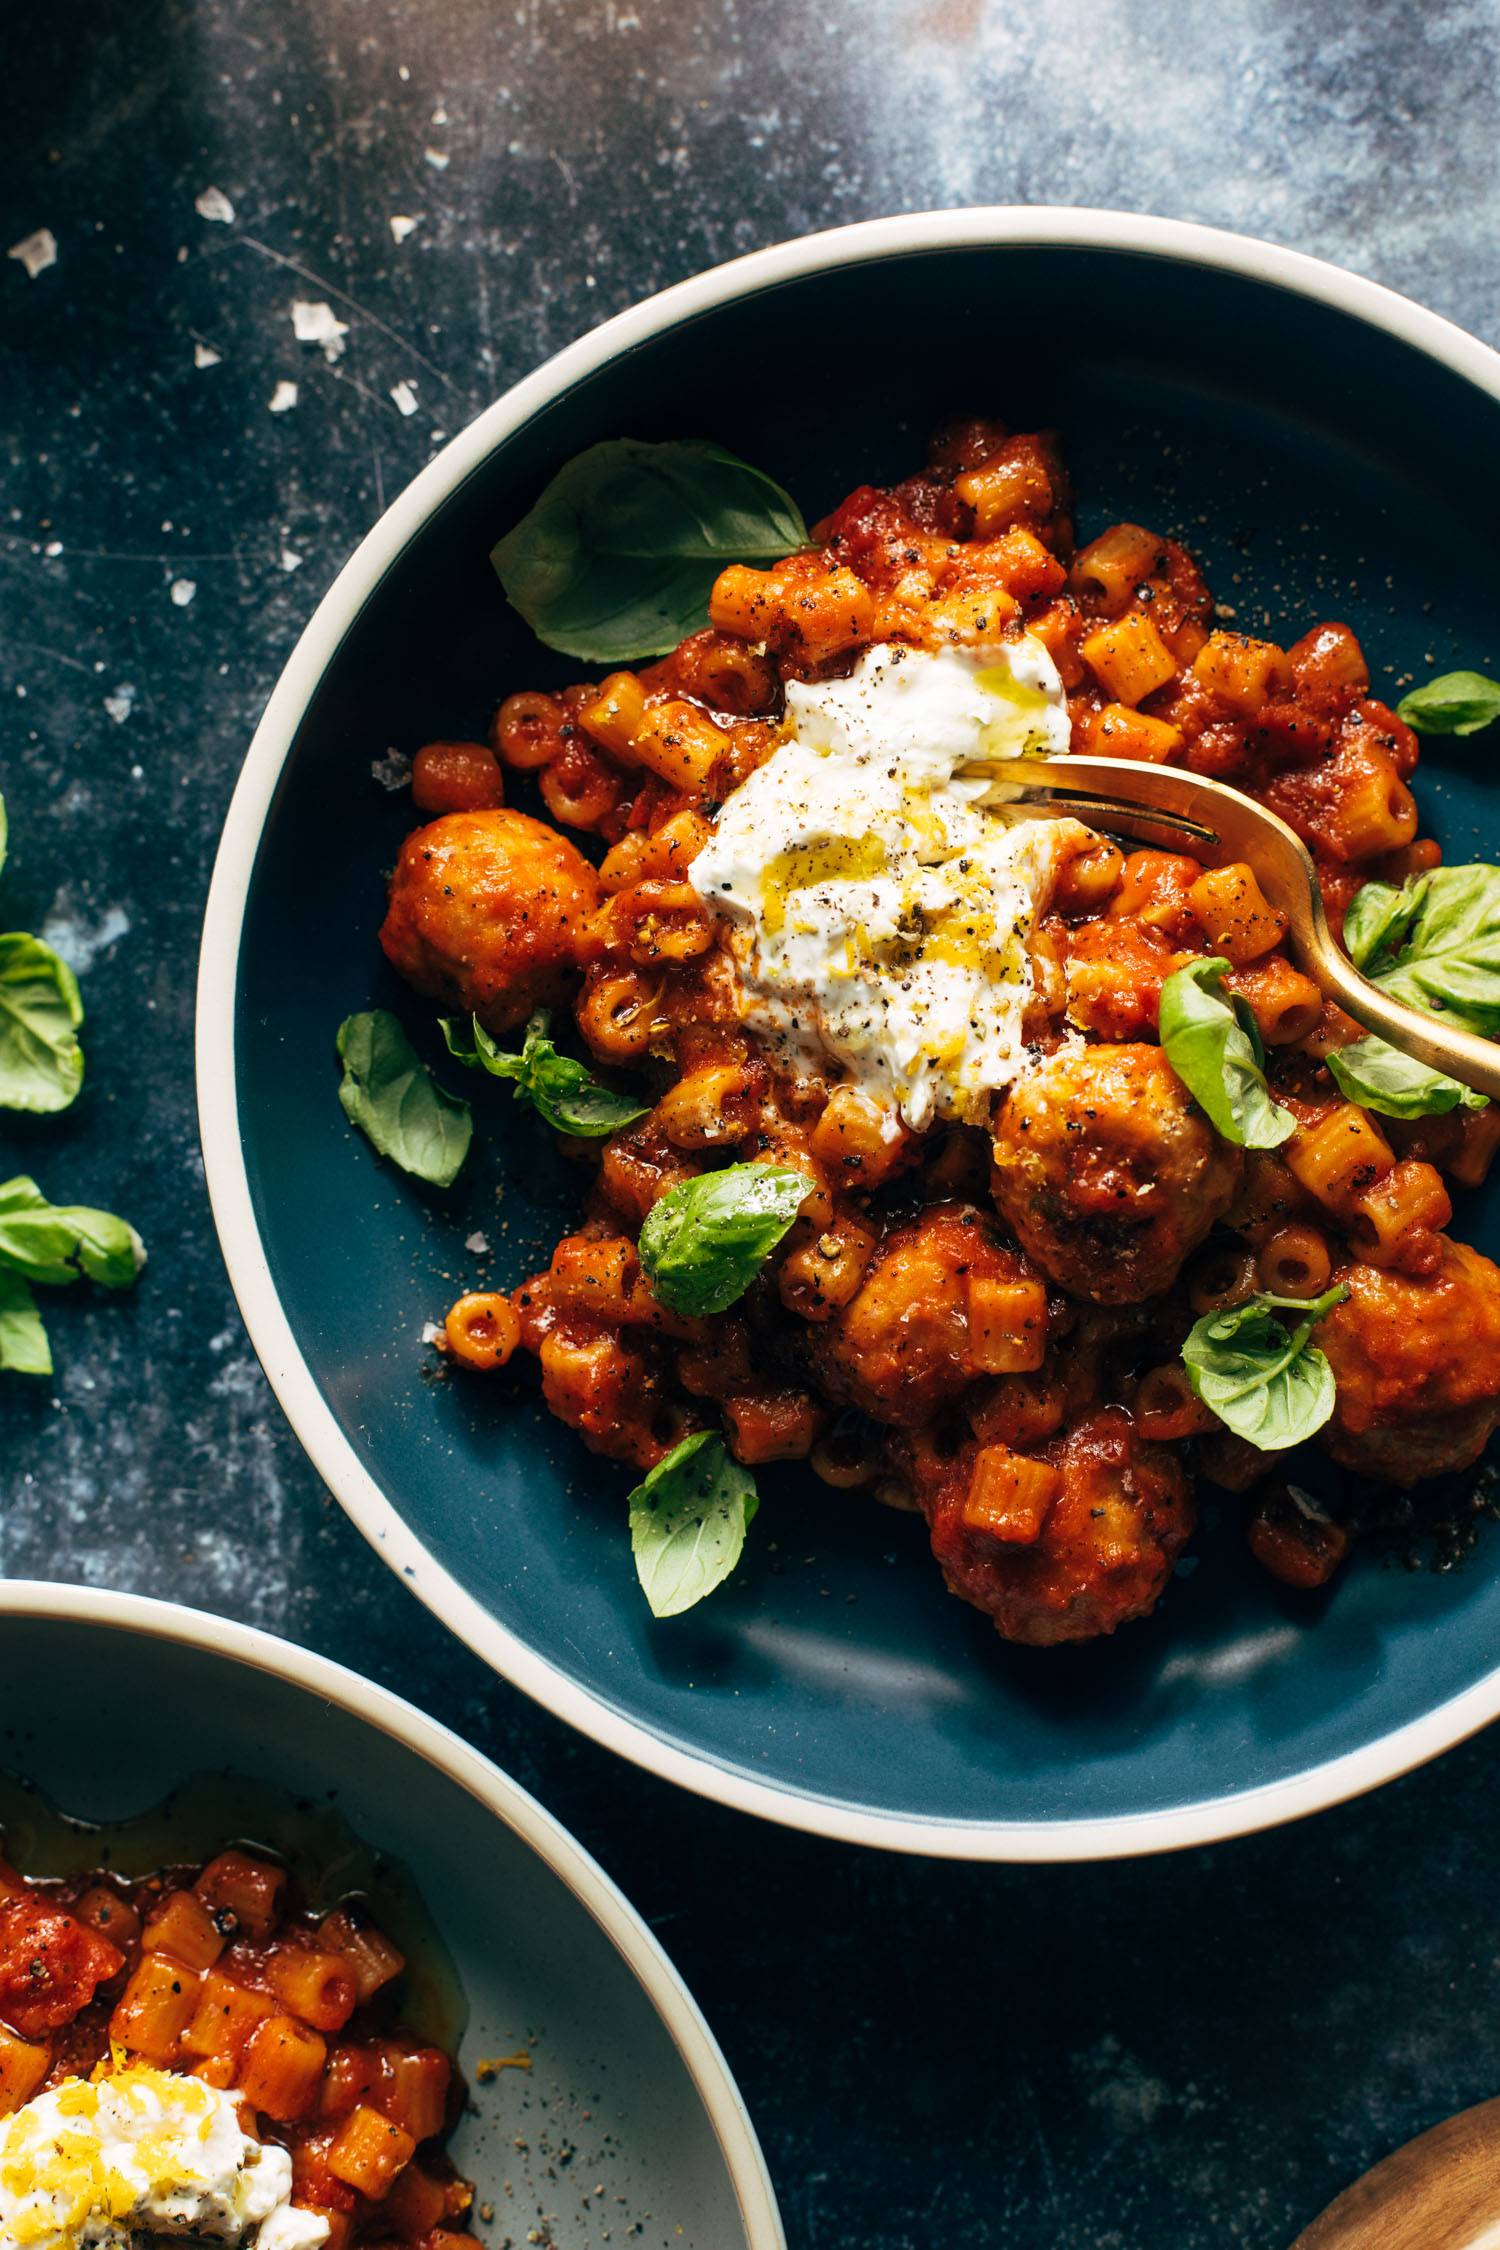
[(100, 2164), (878, 903)]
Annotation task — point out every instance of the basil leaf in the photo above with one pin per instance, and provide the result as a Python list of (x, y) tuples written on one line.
[(55, 1243), (1376, 924), (1397, 1085), (1458, 703), (705, 1240), (1208, 1047), (562, 1091), (389, 1093), (24, 1349), (1440, 949), (41, 1062), (617, 558), (1264, 1381), (688, 1522)]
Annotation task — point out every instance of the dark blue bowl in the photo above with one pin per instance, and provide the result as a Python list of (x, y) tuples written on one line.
[(1325, 447)]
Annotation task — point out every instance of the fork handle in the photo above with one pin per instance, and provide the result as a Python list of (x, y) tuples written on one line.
[(1462, 1054)]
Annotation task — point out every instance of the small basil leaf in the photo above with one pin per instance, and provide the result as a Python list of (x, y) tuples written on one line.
[(1458, 703), (1441, 947), (395, 1101), (24, 1349), (1244, 1016), (688, 1522), (1263, 1380), (617, 558), (705, 1241), (1377, 922), (1397, 1085), (1211, 1052), (563, 1092), (56, 1243), (41, 1062)]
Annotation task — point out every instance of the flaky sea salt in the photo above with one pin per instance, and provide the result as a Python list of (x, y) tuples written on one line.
[(36, 252), (402, 226), (405, 396), (438, 158), (213, 203), (290, 559), (318, 323), (204, 355), (393, 771), (182, 591), (283, 398), (430, 1332), (121, 703), (478, 1243)]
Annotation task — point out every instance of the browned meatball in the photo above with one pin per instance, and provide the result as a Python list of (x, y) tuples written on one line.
[(1109, 1173), (906, 1342), (485, 913), (1113, 1518), (1417, 1364)]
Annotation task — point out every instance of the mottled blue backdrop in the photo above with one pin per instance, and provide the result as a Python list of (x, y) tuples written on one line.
[(1164, 2056)]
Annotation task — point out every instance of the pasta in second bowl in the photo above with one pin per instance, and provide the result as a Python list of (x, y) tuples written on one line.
[(1202, 389)]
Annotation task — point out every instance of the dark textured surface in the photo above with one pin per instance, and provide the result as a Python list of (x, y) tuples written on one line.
[(1183, 2053)]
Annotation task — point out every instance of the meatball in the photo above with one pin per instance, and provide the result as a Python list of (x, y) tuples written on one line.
[(1116, 1513), (485, 913), (1417, 1362), (1109, 1173), (915, 1332)]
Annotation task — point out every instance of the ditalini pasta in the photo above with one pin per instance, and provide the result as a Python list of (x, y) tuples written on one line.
[(1079, 1215)]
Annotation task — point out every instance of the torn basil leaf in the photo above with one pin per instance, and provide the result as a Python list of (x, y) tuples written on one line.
[(1208, 1046), (563, 1092), (389, 1093), (706, 1239), (688, 1521)]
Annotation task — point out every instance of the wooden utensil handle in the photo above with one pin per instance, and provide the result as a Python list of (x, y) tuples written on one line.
[(1440, 2192)]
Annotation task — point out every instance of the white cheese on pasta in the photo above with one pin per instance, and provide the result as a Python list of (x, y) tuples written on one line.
[(103, 2164), (877, 908)]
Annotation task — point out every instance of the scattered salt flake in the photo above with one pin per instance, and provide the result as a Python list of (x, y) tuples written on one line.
[(402, 226), (440, 115), (53, 547), (183, 590), (436, 157), (290, 559), (318, 323), (430, 1332), (204, 355), (403, 74), (478, 1243), (36, 252), (121, 703), (393, 771), (213, 203), (283, 398), (405, 396)]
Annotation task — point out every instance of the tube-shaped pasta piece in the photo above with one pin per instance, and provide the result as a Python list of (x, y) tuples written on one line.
[(823, 1268), (527, 731), (368, 2152), (23, 2066), (155, 2009), (1088, 881), (1119, 732), (1108, 570), (414, 2087), (1236, 917), (1375, 813), (1129, 658), (1014, 484), (772, 1425), (1408, 1201), (1478, 1139), (712, 1104), (313, 1985), (846, 1459), (1165, 1407), (482, 1329), (1244, 673), (1286, 1005), (1007, 1325), (679, 742), (253, 1890), (182, 1926), (614, 717), (1220, 1277), (283, 2068), (226, 2015), (1009, 1495), (620, 1014), (112, 1916), (1340, 1156), (861, 1144), (1295, 1262)]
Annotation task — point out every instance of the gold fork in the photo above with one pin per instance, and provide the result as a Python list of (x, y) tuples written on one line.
[(1142, 801)]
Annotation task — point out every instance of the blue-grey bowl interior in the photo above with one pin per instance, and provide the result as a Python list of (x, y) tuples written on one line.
[(1322, 469), (108, 1723)]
